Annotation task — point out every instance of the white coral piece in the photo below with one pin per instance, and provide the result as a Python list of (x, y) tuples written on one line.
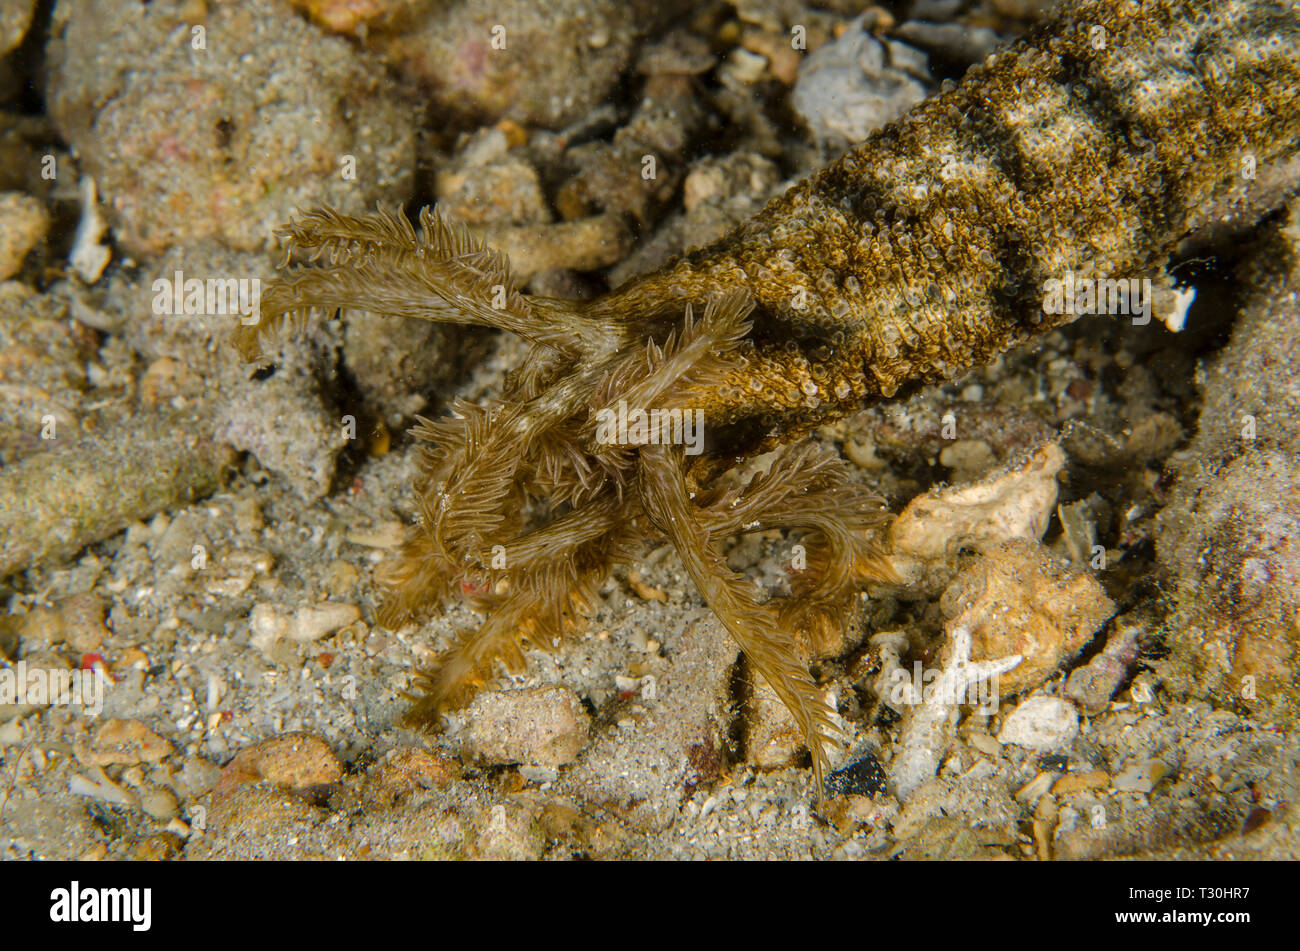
[(930, 723), (88, 256)]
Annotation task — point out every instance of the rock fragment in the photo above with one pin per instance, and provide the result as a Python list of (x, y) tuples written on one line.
[(1140, 776), (295, 762), (492, 186), (1091, 781), (89, 255), (931, 710), (1012, 504), (1041, 723), (406, 771), (952, 41), (545, 726), (221, 130), (15, 18), (124, 742), (582, 245), (285, 426), (82, 617), (23, 224), (272, 623), (159, 804), (350, 16), (544, 64), (54, 504), (849, 88), (1020, 599)]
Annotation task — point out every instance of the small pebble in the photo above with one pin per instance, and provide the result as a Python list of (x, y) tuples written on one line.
[(1141, 776), (383, 535), (545, 726), (863, 777), (123, 742), (271, 623), (1040, 785), (42, 626), (292, 760), (746, 66), (248, 516), (15, 19), (341, 579), (407, 770), (849, 88), (159, 804), (1082, 782), (1041, 723), (1056, 762), (23, 223), (645, 592)]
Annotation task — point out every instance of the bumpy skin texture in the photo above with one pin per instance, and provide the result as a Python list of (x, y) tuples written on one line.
[(1093, 144)]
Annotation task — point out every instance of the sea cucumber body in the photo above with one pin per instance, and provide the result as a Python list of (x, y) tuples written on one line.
[(1093, 147)]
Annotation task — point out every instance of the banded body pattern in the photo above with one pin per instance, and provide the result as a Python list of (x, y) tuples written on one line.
[(1093, 146)]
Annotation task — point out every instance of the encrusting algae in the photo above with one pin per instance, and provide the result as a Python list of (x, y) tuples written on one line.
[(1094, 147)]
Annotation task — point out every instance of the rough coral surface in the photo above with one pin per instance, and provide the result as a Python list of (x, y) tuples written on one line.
[(202, 137)]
